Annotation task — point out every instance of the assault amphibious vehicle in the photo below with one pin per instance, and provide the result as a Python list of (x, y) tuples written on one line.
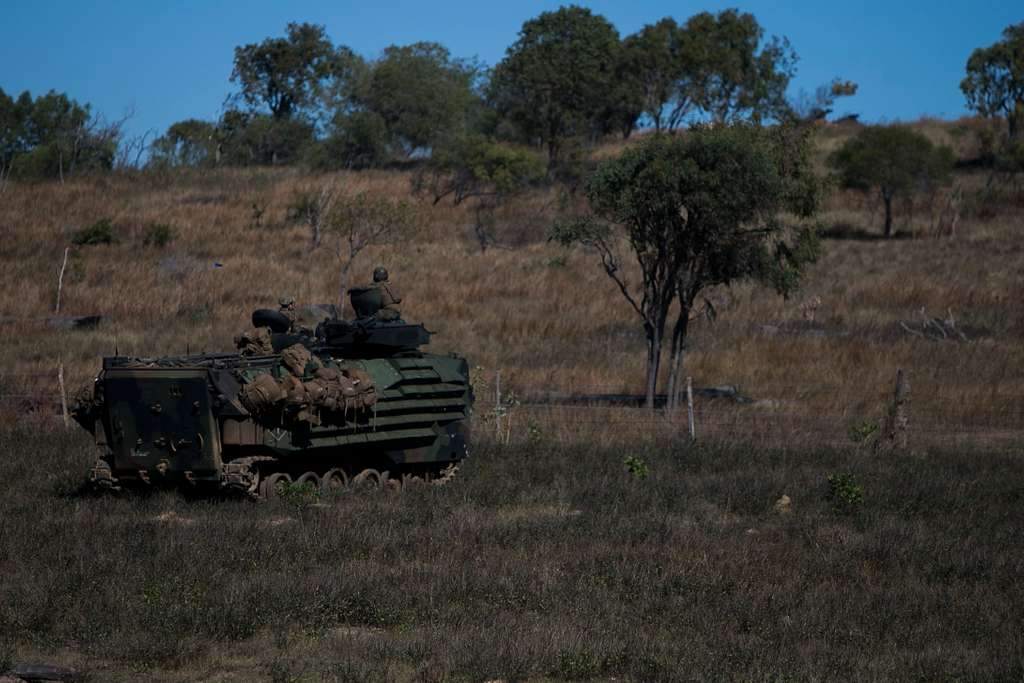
[(348, 403)]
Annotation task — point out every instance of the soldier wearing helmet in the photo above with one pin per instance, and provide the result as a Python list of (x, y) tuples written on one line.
[(287, 309), (389, 302)]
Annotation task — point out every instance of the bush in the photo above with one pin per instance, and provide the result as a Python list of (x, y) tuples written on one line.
[(637, 467), (845, 493), (158, 235), (100, 232)]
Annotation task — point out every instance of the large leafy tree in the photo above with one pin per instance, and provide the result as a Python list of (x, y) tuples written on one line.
[(480, 171), (892, 160), (53, 136), (730, 70), (698, 211), (557, 80), (662, 64), (994, 85), (423, 95), (190, 143), (287, 74)]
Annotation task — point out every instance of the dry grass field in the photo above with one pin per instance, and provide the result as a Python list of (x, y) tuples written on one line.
[(548, 559), (542, 562)]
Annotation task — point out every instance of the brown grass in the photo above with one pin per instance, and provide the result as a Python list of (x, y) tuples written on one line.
[(549, 319), (546, 560), (543, 562)]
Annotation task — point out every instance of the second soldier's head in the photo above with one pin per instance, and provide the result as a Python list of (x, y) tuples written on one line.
[(380, 274)]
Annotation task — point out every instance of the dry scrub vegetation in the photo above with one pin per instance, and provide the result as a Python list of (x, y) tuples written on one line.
[(544, 562), (547, 559), (549, 319)]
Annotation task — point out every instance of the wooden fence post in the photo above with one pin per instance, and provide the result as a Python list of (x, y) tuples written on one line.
[(897, 422), (497, 404), (63, 394), (689, 408), (60, 279)]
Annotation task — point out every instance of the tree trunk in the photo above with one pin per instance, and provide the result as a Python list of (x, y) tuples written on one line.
[(887, 197), (676, 355), (478, 226), (344, 284), (654, 338), (553, 153)]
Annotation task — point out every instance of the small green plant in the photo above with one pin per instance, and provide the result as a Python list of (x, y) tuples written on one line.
[(259, 209), (557, 262), (298, 495), (100, 232), (577, 665), (158, 235), (846, 494), (637, 467), (534, 435), (863, 432)]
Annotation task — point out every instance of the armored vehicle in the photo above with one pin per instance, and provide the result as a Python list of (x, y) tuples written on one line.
[(349, 403)]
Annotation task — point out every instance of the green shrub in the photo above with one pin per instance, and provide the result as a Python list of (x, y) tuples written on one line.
[(863, 432), (100, 232), (846, 494), (298, 495), (637, 467)]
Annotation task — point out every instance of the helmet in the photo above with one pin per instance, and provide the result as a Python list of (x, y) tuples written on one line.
[(286, 301), (380, 274)]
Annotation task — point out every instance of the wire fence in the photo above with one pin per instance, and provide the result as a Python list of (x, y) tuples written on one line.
[(808, 413)]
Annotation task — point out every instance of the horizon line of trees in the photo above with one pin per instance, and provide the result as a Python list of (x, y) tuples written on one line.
[(568, 81)]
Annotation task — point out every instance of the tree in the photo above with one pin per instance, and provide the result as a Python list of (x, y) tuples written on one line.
[(245, 139), (818, 106), (625, 104), (894, 160), (190, 143), (423, 95), (480, 169), (358, 139), (287, 74), (994, 85), (664, 66), (359, 221), (697, 211), (53, 136), (730, 72), (558, 79)]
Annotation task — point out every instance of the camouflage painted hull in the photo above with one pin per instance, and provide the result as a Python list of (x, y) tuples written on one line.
[(179, 421)]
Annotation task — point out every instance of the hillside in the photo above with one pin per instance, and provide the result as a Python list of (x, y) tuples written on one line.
[(549, 319)]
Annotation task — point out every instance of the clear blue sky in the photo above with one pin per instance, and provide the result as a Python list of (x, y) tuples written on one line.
[(169, 60)]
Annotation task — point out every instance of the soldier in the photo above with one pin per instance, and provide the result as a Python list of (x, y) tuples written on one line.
[(388, 301), (287, 309)]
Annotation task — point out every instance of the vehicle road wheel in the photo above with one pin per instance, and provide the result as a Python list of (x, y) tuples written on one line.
[(271, 484), (391, 484), (412, 481), (334, 481), (310, 478), (367, 479)]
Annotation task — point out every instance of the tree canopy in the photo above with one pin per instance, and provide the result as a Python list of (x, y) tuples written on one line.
[(696, 211), (421, 93), (286, 75), (994, 85), (893, 160), (557, 79), (735, 72), (53, 136)]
